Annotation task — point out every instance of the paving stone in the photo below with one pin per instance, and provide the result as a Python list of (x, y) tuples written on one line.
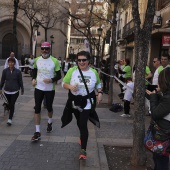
[(32, 155)]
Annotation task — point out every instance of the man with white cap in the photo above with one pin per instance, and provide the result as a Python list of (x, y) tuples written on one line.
[(45, 75)]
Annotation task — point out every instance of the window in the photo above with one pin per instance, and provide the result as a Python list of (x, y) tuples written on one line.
[(80, 41), (81, 1), (93, 31), (81, 11)]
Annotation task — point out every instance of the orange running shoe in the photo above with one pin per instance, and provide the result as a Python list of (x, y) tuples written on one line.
[(82, 155)]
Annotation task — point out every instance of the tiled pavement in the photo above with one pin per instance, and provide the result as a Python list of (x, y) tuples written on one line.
[(58, 150)]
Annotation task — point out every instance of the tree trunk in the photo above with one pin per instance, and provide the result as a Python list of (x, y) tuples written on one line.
[(112, 54), (103, 47), (31, 38), (15, 45), (142, 38), (138, 152), (45, 34)]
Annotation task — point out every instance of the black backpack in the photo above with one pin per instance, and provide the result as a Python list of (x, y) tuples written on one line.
[(116, 107)]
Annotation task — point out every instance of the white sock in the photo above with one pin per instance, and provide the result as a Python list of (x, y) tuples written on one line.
[(49, 120), (9, 121), (37, 128)]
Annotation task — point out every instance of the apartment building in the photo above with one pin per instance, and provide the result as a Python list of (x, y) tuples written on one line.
[(125, 29), (160, 42), (160, 38)]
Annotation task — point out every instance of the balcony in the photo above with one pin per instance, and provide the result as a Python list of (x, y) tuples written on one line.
[(128, 29)]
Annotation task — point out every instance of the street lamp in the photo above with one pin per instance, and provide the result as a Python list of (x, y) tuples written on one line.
[(52, 42), (66, 50), (99, 31), (35, 32), (71, 49)]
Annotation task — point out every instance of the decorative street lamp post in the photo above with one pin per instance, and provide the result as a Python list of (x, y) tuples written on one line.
[(99, 31), (71, 49), (52, 42), (66, 49)]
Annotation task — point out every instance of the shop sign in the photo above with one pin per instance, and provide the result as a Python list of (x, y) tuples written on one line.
[(166, 40)]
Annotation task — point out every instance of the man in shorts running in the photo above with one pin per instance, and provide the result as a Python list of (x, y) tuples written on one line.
[(45, 75)]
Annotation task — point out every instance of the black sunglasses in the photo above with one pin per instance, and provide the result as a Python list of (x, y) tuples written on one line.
[(83, 60), (45, 48)]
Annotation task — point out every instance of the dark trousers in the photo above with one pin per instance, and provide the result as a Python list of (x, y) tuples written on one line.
[(39, 96), (161, 162), (22, 68), (121, 86), (82, 119), (11, 101), (65, 73), (126, 107), (105, 80)]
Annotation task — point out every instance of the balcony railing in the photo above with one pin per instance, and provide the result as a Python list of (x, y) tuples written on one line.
[(128, 29)]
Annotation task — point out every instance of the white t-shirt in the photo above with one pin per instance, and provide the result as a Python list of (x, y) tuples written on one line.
[(155, 77), (66, 67), (128, 93), (46, 70), (91, 77), (31, 63), (59, 63), (121, 67), (116, 67)]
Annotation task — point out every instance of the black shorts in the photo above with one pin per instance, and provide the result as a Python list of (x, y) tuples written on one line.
[(39, 96)]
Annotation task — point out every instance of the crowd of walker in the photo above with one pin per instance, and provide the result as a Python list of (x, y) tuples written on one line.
[(85, 90)]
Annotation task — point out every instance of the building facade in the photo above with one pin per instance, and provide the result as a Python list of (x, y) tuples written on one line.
[(161, 30), (160, 37), (59, 32)]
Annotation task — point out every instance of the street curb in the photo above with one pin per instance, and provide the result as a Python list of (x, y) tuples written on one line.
[(102, 157)]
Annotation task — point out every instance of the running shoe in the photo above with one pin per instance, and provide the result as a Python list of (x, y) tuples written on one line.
[(125, 115), (49, 128), (82, 155), (9, 123), (36, 137)]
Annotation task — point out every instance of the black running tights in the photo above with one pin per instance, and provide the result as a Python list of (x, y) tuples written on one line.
[(82, 119), (11, 100)]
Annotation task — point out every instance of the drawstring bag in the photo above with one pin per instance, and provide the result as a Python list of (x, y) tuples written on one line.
[(116, 107), (157, 140)]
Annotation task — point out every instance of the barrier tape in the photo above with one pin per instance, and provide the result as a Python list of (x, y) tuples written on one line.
[(121, 82), (24, 66)]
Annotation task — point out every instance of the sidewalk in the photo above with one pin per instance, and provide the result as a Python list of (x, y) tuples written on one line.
[(58, 150)]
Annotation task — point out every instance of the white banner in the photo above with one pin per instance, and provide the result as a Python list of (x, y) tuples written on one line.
[(87, 45), (34, 41)]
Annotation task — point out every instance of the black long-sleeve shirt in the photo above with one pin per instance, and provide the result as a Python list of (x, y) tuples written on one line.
[(160, 108)]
